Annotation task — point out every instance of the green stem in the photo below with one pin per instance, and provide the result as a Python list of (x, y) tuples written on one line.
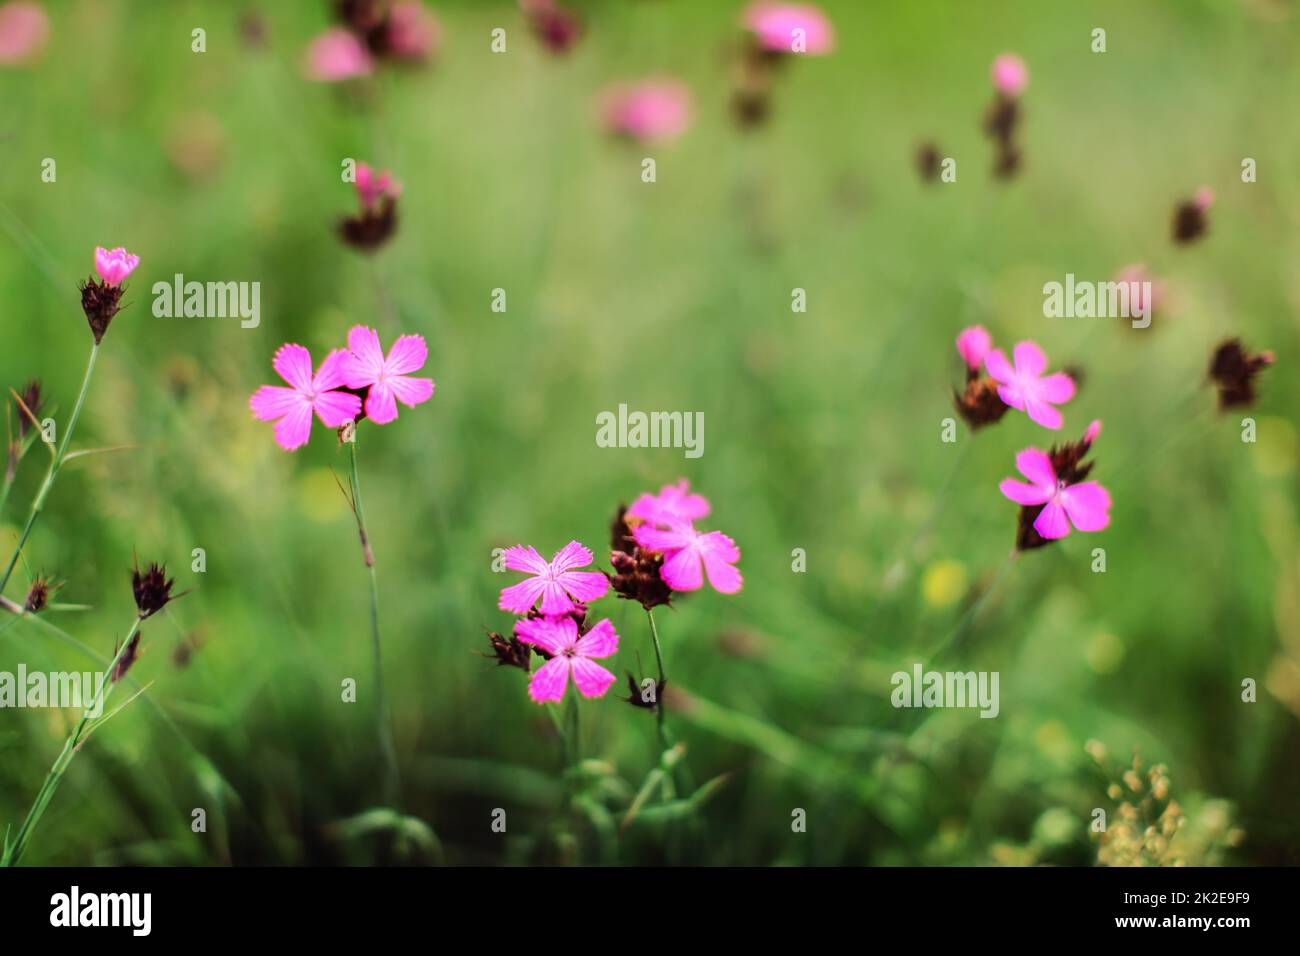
[(392, 781), (659, 688), (60, 767), (55, 464)]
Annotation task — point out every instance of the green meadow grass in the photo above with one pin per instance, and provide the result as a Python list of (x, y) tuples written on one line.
[(822, 432)]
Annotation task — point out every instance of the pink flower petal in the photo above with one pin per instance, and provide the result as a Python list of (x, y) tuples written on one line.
[(520, 598), (550, 680), (367, 360), (660, 539), (411, 391), (337, 55), (330, 374), (293, 363), (682, 571), (522, 558), (294, 429), (553, 635), (1030, 360), (381, 405), (408, 354), (1051, 522), (272, 402), (1036, 465), (591, 679), (1023, 494), (555, 600), (1043, 414), (600, 641), (1087, 504), (1012, 395), (1056, 388), (572, 555), (584, 586), (335, 408), (973, 344), (999, 368)]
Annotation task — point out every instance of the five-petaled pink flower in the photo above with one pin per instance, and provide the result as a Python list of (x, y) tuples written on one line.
[(558, 582), (690, 554), (291, 408), (372, 186), (114, 265), (649, 111), (1024, 387), (570, 654), (790, 27), (1085, 505), (1010, 75), (973, 344), (365, 366), (672, 506), (337, 54)]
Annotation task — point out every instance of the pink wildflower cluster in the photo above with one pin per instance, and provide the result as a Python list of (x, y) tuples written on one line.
[(371, 31), (1019, 383), (375, 221), (350, 381), (664, 524), (650, 111)]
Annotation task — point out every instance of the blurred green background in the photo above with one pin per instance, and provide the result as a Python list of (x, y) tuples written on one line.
[(822, 431)]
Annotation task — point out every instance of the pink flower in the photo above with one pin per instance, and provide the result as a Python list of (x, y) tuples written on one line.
[(790, 27), (1026, 388), (413, 32), (673, 505), (1204, 198), (1085, 505), (291, 408), (570, 654), (371, 187), (973, 344), (690, 554), (24, 28), (364, 366), (114, 265), (558, 583), (649, 111), (337, 54), (1010, 75)]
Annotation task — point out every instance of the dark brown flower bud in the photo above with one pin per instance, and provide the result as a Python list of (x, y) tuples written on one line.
[(509, 651), (979, 404), (39, 594), (558, 29), (372, 227), (644, 697), (928, 162), (129, 657), (1233, 371), (29, 407), (153, 589), (1190, 222), (100, 302)]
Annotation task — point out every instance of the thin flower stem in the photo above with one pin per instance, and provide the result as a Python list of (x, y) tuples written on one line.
[(55, 464), (659, 688), (392, 780), (15, 851)]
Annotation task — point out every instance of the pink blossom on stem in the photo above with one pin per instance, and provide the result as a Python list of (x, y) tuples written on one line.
[(653, 110), (291, 408), (1024, 386), (690, 555), (413, 31), (372, 186), (790, 27), (1085, 505), (570, 655), (365, 366), (673, 505), (973, 344), (558, 583), (1010, 75), (24, 30), (336, 55), (114, 265)]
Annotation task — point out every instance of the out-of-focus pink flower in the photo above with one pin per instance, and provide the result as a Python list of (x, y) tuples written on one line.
[(1204, 198), (689, 555), (1135, 277), (570, 654), (413, 32), (790, 27), (558, 28), (650, 111), (672, 506), (24, 30), (291, 408), (558, 583), (365, 366), (372, 186), (1010, 75), (114, 265), (336, 55), (1085, 505), (973, 344), (1024, 386)]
